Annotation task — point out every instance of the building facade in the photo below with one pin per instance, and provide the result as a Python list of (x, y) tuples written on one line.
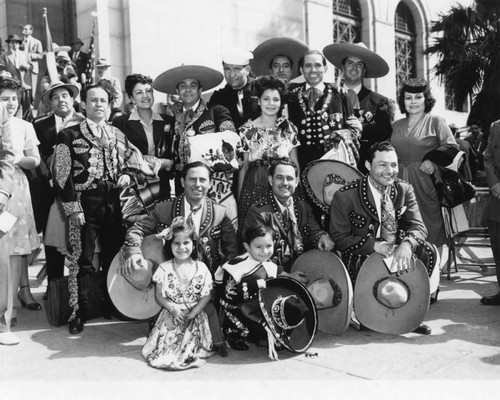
[(150, 36)]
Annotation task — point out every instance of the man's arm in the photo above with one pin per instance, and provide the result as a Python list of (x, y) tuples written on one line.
[(489, 156), (411, 220), (317, 237)]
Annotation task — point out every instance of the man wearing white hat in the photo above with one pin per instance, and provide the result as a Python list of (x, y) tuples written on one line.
[(358, 62), (238, 96)]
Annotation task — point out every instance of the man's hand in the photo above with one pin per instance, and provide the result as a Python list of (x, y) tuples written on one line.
[(427, 167), (325, 243), (3, 200), (495, 190), (384, 248), (354, 123), (123, 181), (402, 258), (132, 264), (78, 219)]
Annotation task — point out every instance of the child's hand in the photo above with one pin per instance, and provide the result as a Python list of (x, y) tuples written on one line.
[(190, 316), (261, 283), (179, 315)]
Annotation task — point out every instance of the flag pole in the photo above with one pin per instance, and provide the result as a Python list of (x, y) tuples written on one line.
[(88, 78)]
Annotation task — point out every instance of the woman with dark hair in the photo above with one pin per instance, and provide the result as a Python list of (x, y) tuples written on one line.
[(149, 131), (413, 137), (22, 238), (270, 136)]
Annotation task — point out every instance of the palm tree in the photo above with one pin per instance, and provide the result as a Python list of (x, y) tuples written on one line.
[(468, 48)]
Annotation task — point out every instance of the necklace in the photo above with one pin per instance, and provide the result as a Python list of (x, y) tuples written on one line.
[(187, 275)]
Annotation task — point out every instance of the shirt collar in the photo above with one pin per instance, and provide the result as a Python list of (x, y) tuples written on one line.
[(134, 116), (281, 205), (320, 86), (194, 108), (357, 88)]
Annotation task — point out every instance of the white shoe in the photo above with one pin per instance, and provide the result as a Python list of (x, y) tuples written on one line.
[(8, 338)]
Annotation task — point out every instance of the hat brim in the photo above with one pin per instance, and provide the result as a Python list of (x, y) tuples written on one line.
[(298, 339), (376, 65), (72, 88), (167, 81), (319, 264), (131, 302), (265, 52), (315, 174), (376, 316)]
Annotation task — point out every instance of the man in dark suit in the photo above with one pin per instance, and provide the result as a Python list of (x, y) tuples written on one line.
[(60, 97), (78, 57), (358, 62), (93, 160), (379, 213), (296, 229), (322, 114), (238, 96), (492, 168), (33, 48)]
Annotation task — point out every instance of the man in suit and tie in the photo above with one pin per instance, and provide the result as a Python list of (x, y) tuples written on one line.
[(60, 97), (32, 47), (78, 57), (322, 114), (296, 229), (358, 62)]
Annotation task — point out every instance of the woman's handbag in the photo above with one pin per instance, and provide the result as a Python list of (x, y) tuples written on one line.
[(451, 187)]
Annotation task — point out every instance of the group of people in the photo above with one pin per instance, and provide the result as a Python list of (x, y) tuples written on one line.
[(218, 183)]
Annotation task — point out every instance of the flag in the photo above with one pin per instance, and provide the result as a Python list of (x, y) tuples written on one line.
[(90, 68), (50, 57)]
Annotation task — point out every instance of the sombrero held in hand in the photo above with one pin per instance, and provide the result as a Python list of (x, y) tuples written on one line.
[(167, 81), (387, 303), (134, 296), (330, 287), (322, 178)]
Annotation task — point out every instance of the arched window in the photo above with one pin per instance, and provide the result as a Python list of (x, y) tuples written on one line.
[(405, 35), (346, 21)]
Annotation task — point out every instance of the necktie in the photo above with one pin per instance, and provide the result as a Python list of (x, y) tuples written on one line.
[(189, 219), (353, 98), (388, 225), (239, 104), (103, 140), (312, 94), (292, 228)]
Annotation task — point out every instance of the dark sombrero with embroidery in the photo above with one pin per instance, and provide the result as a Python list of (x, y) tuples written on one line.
[(322, 178)]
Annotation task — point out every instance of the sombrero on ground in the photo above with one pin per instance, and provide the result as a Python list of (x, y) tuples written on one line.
[(387, 303), (289, 312), (330, 287), (322, 178), (265, 52), (167, 81), (375, 65), (134, 296)]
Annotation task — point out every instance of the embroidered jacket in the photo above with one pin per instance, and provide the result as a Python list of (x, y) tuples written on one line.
[(81, 161), (354, 220), (269, 213), (217, 238)]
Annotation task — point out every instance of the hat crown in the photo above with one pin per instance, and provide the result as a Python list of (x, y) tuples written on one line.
[(415, 85), (288, 312), (325, 293), (392, 293)]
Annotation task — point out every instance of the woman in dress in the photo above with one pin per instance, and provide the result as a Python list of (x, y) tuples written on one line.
[(270, 136), (181, 337), (149, 131), (22, 238), (413, 137)]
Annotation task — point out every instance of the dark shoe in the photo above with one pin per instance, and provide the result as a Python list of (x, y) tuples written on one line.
[(423, 330), (237, 344), (435, 297), (221, 349), (491, 300), (76, 326), (13, 322), (33, 306), (46, 295)]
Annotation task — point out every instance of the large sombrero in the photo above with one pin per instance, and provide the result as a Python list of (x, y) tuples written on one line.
[(73, 89), (375, 65), (330, 287), (387, 303), (167, 81), (322, 178), (289, 312), (265, 52), (134, 296)]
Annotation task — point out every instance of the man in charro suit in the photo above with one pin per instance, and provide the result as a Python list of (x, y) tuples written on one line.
[(322, 114), (92, 161), (296, 229), (492, 168)]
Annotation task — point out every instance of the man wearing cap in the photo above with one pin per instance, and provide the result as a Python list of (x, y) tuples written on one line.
[(102, 67), (379, 213), (322, 114), (78, 57), (60, 97), (238, 96), (278, 57), (93, 160), (194, 118), (357, 62), (296, 229), (32, 47)]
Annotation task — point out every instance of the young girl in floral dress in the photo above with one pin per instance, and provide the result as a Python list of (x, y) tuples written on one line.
[(181, 337)]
